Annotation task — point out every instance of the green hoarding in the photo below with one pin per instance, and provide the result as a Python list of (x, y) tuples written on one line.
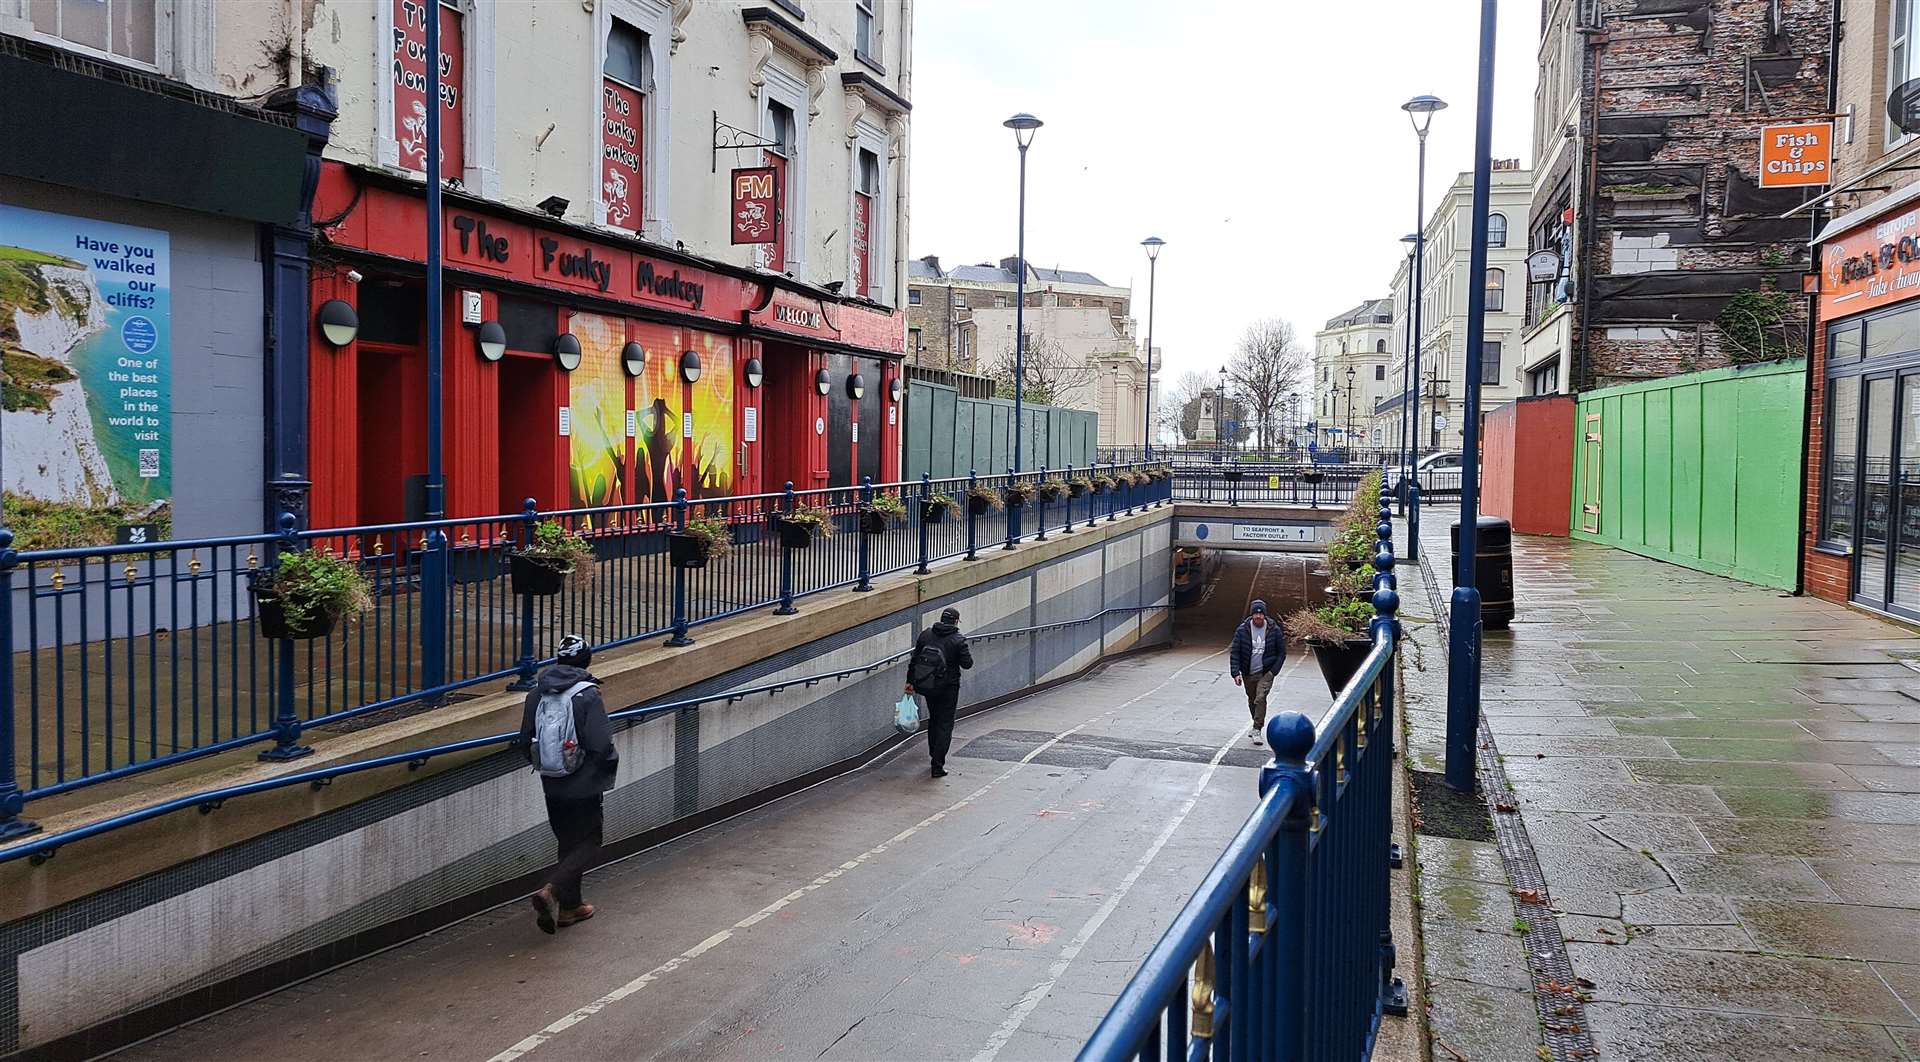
[(947, 435)]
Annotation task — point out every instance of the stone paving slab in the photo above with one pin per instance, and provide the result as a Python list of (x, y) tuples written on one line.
[(1721, 786)]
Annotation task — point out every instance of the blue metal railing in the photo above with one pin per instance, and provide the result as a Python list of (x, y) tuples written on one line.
[(131, 658), (41, 849), (1285, 950)]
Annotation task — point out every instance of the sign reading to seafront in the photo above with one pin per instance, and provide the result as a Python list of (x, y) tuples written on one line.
[(89, 397)]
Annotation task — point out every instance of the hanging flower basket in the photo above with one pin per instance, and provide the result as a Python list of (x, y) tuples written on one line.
[(800, 527), (555, 556), (984, 500), (306, 595), (933, 508)]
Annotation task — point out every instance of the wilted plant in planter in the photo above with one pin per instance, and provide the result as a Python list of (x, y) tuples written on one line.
[(1079, 485), (699, 542), (1339, 637), (934, 507), (982, 500), (1354, 546), (1052, 489), (1019, 494), (307, 593), (1102, 484), (555, 556), (800, 527), (1350, 584), (883, 510)]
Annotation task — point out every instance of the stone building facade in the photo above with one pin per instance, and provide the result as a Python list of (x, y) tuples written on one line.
[(1352, 359)]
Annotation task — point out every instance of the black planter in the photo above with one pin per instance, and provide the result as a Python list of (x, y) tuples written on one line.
[(1015, 501), (1050, 497), (1339, 661), (1076, 490), (1232, 473), (686, 551), (873, 522), (933, 514), (1312, 478), (272, 617), (978, 506), (795, 536), (532, 577)]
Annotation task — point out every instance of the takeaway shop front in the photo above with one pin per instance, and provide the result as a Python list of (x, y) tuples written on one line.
[(1863, 505), (579, 369)]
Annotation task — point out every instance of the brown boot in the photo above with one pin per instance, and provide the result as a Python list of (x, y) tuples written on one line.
[(545, 909), (577, 914)]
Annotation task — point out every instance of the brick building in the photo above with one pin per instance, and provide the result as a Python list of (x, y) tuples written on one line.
[(1647, 119)]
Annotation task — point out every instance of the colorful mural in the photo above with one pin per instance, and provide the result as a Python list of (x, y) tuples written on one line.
[(597, 392), (657, 404), (713, 453)]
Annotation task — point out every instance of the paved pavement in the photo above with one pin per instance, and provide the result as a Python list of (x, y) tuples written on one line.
[(1721, 785), (882, 915)]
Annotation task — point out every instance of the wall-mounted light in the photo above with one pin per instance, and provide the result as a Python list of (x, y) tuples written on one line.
[(492, 339), (566, 351), (690, 366), (755, 372), (338, 323), (554, 206), (856, 387), (894, 389), (633, 357), (822, 382)]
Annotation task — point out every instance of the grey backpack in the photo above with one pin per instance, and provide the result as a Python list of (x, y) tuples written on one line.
[(556, 746)]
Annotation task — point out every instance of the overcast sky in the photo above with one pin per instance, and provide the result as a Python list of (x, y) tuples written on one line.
[(1262, 139)]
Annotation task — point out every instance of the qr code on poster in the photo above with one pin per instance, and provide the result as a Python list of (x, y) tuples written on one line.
[(149, 464)]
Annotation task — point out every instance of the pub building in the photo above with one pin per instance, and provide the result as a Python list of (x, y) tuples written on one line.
[(1863, 503), (580, 369)]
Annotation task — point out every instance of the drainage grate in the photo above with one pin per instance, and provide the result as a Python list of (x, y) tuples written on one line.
[(1557, 995)]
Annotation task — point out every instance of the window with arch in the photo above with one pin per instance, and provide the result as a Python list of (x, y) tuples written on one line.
[(1496, 230), (1379, 346), (1496, 289)]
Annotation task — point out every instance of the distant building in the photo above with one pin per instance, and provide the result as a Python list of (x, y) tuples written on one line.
[(1352, 362), (1446, 277)]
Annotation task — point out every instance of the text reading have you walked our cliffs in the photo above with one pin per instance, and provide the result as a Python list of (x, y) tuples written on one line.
[(89, 398)]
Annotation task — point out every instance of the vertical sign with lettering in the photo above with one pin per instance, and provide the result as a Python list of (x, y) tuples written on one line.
[(756, 195), (620, 140), (862, 218), (409, 73)]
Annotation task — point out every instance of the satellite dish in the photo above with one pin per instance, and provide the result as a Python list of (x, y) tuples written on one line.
[(1903, 107)]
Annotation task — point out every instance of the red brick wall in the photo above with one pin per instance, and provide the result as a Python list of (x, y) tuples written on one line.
[(1827, 576)]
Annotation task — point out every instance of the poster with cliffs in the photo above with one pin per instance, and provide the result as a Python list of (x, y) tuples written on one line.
[(85, 343)]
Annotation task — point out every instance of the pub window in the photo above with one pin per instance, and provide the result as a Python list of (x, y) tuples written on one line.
[(1895, 333), (780, 130), (1843, 438), (866, 193), (116, 29), (623, 89), (1490, 362)]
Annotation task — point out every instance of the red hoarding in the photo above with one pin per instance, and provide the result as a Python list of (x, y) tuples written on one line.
[(409, 73), (755, 208), (620, 150)]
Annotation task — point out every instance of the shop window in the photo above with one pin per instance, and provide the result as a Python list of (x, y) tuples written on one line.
[(1496, 289), (625, 80), (1894, 333), (530, 325), (127, 30), (1843, 345), (1490, 362), (866, 193), (390, 312), (1838, 482)]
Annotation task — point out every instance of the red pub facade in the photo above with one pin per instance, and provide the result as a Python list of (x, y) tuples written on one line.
[(579, 368)]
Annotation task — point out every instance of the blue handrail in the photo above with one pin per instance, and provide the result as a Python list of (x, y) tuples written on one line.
[(1303, 888), (40, 849)]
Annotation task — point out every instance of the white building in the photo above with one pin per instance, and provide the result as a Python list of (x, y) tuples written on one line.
[(1446, 279), (1351, 362)]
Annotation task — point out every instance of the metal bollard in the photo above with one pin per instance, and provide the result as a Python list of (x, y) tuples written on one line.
[(926, 491), (529, 515), (866, 541), (679, 576), (786, 563), (973, 520), (286, 725)]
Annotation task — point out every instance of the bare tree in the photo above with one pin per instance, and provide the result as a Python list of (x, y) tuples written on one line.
[(1268, 362), (1180, 400), (1052, 376)]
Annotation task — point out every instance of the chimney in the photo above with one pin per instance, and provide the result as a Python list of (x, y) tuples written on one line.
[(933, 262), (1011, 265)]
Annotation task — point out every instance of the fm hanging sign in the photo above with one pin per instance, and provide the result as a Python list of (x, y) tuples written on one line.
[(755, 204), (1797, 155)]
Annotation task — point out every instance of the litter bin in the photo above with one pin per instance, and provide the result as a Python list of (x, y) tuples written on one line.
[(1492, 568)]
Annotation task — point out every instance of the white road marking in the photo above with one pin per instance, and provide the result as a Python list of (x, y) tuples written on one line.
[(1039, 992), (657, 973)]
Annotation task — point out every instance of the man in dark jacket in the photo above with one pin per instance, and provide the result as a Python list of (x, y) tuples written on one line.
[(573, 800), (1259, 648), (942, 688)]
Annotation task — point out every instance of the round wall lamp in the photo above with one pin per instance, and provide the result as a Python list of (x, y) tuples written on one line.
[(492, 339), (633, 357), (566, 351), (894, 389), (856, 387), (690, 366), (338, 323), (822, 382), (755, 372)]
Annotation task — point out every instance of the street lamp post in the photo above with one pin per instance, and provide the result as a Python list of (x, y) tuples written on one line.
[(1408, 381), (1333, 412), (1221, 427), (433, 568), (1023, 126), (1350, 386), (1153, 245), (1463, 631), (1420, 111)]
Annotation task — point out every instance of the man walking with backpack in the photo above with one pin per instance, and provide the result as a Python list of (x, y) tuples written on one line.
[(1258, 651), (565, 735), (939, 655)]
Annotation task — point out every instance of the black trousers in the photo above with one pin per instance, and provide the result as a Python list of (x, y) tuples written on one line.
[(942, 703), (576, 825)]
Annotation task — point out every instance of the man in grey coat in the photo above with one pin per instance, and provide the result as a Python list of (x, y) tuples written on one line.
[(573, 800)]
